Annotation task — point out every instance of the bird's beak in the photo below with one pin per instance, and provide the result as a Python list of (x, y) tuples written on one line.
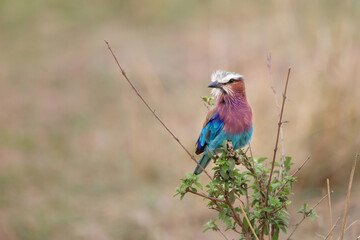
[(215, 85)]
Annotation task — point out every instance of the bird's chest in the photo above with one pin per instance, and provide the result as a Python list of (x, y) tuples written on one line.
[(237, 118)]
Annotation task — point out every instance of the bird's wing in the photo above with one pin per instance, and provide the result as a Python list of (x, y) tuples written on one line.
[(211, 128)]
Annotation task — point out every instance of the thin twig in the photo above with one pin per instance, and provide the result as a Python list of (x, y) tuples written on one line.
[(278, 111), (298, 224), (221, 233), (277, 137), (332, 229), (251, 154), (348, 198), (205, 104), (297, 170), (153, 112), (352, 224), (205, 196), (330, 210)]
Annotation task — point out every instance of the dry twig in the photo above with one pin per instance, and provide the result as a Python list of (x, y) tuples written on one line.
[(278, 111), (348, 197), (352, 224), (277, 137), (276, 146), (221, 232), (332, 229), (152, 111), (298, 224), (330, 210)]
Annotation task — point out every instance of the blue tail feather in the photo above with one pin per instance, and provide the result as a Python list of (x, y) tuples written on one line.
[(204, 161)]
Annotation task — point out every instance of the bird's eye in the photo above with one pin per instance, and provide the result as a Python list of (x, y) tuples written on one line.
[(231, 80)]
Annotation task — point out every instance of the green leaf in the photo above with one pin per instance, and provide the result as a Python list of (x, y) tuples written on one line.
[(222, 214), (224, 145), (283, 229), (225, 167), (199, 185), (210, 225), (288, 163), (276, 234), (231, 164), (268, 209), (232, 196), (260, 160), (210, 154), (224, 174), (245, 222), (227, 221), (205, 99)]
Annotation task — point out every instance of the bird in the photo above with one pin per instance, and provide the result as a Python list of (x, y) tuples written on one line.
[(230, 119)]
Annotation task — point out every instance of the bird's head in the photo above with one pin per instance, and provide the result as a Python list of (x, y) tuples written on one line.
[(227, 84)]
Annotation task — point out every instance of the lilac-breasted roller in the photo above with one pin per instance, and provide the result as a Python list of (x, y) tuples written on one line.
[(231, 119)]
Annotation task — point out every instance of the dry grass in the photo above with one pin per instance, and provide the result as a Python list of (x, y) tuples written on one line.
[(80, 158)]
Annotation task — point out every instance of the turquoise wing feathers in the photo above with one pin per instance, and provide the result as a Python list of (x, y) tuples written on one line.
[(211, 130), (213, 127)]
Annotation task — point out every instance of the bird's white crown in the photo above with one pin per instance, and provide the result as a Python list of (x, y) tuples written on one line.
[(224, 77)]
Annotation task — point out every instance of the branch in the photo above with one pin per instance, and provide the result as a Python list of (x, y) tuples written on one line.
[(236, 217), (352, 224), (348, 197), (205, 196), (330, 210), (298, 224), (221, 233), (332, 229), (297, 170), (277, 137), (279, 111), (152, 111)]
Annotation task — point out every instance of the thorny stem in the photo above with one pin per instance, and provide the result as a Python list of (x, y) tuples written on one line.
[(153, 112), (277, 137), (298, 224), (278, 110)]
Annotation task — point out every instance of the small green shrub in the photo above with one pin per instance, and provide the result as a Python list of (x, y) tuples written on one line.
[(240, 196)]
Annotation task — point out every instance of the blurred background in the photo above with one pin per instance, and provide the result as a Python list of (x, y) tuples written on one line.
[(82, 158)]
